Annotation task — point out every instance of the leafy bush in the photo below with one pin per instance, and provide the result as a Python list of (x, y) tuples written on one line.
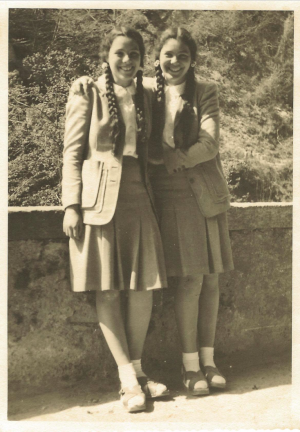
[(36, 126), (254, 179), (248, 54)]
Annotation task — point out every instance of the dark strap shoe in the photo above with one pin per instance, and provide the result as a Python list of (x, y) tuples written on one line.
[(190, 378), (153, 389)]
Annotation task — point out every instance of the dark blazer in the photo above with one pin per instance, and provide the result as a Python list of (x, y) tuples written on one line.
[(201, 160), (91, 172)]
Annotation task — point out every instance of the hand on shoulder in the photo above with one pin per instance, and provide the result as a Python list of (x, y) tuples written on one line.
[(81, 86)]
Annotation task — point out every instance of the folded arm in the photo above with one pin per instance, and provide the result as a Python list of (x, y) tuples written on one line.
[(207, 145)]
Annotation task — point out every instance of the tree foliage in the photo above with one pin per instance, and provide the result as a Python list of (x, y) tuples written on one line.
[(249, 54)]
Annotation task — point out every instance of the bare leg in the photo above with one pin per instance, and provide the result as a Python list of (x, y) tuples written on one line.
[(187, 311), (139, 308), (208, 310), (208, 314), (112, 324)]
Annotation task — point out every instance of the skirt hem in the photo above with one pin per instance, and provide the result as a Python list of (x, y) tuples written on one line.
[(192, 272), (165, 285)]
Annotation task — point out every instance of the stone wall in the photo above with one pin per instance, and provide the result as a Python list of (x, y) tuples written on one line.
[(54, 335)]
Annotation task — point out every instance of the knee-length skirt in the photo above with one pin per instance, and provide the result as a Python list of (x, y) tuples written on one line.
[(126, 253), (192, 243)]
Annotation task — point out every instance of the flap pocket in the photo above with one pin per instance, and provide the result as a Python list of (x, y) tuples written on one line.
[(215, 180), (91, 177)]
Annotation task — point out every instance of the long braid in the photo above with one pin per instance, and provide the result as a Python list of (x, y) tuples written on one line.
[(113, 109), (188, 113), (158, 113), (160, 92), (140, 113)]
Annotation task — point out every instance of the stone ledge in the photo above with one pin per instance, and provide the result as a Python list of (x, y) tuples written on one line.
[(38, 223), (35, 223), (53, 335), (250, 216)]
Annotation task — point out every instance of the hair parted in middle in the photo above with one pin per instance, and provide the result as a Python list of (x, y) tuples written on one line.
[(112, 100), (182, 35)]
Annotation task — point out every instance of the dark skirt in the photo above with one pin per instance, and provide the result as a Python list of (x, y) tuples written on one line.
[(126, 253), (192, 243)]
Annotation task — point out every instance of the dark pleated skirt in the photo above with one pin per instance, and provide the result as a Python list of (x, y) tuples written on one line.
[(126, 253), (192, 243)]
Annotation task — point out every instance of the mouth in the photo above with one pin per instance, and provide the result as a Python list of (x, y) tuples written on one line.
[(127, 68), (174, 69)]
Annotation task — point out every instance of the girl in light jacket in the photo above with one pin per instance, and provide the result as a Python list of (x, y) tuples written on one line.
[(115, 243), (192, 197)]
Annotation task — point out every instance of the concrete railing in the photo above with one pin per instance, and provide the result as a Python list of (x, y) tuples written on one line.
[(54, 335)]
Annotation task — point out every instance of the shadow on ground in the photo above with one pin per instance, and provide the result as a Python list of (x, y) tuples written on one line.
[(86, 401)]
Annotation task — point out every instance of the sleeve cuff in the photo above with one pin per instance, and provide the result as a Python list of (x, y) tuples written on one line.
[(71, 201)]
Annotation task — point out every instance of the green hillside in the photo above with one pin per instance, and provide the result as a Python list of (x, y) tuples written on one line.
[(249, 54)]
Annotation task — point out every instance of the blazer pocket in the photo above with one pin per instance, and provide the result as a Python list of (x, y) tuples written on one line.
[(101, 195), (91, 179), (215, 181)]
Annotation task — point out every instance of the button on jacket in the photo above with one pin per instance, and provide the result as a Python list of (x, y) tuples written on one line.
[(91, 172), (200, 157)]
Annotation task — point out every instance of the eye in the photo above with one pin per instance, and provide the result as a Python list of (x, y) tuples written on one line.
[(134, 55)]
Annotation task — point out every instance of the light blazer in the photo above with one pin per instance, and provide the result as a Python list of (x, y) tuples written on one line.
[(201, 161), (91, 173)]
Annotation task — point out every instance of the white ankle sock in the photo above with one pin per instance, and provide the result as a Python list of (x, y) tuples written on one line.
[(128, 379), (191, 363), (207, 359), (207, 356), (127, 375), (137, 364)]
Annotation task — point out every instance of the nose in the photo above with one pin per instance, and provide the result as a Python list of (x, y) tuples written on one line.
[(126, 58), (174, 60)]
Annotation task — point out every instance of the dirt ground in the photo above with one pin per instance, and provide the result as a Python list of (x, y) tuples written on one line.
[(257, 397)]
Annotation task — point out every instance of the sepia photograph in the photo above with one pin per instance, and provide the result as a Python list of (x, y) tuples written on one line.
[(150, 216)]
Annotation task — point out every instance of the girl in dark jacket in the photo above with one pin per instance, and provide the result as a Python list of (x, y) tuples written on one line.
[(192, 198)]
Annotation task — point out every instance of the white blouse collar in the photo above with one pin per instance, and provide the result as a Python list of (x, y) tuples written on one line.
[(176, 90), (123, 91)]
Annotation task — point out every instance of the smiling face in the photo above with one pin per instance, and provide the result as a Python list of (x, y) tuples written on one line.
[(124, 60), (175, 61)]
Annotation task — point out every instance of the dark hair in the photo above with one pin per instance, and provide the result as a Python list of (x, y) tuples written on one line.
[(185, 37), (112, 100)]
